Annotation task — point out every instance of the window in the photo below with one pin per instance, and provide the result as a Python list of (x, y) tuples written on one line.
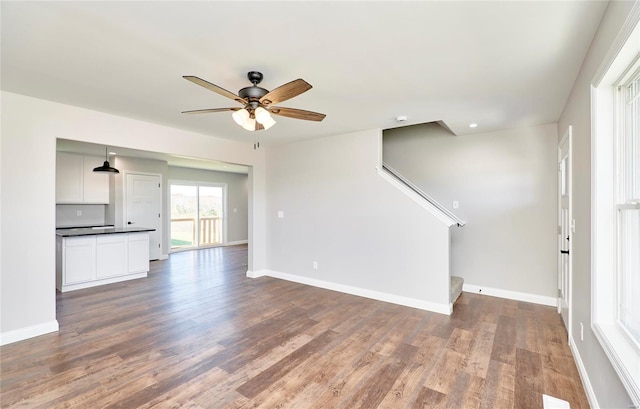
[(628, 208), (197, 214), (616, 208)]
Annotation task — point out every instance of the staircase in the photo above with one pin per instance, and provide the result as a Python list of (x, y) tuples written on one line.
[(430, 204)]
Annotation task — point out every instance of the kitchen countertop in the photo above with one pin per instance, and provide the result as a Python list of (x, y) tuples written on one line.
[(90, 231)]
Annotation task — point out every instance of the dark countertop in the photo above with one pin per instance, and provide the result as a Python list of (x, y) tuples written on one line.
[(91, 232)]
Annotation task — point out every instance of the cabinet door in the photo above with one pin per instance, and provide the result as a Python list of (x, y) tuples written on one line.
[(111, 255), (138, 252), (79, 259), (95, 184), (69, 169)]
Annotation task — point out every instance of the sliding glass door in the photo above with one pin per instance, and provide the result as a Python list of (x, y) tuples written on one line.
[(197, 214)]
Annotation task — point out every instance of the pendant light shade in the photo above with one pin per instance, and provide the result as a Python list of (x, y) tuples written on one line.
[(105, 166)]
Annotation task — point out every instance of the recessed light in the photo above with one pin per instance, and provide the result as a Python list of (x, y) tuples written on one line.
[(401, 118), (473, 125)]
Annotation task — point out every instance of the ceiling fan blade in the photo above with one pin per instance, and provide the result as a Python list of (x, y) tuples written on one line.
[(297, 113), (206, 111), (285, 92), (214, 88)]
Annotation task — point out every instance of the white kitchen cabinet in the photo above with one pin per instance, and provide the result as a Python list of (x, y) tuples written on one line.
[(138, 252), (77, 183), (111, 255), (79, 255), (97, 259)]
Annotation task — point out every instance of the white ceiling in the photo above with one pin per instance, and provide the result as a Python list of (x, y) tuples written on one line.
[(501, 64)]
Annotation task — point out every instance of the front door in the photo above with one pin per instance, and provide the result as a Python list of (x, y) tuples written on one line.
[(143, 208), (565, 228)]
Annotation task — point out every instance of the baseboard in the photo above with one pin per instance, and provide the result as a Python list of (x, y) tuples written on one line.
[(511, 295), (446, 309), (256, 274), (164, 257), (586, 383), (235, 243), (31, 331)]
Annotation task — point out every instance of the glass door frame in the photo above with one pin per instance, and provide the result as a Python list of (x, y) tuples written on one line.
[(197, 185)]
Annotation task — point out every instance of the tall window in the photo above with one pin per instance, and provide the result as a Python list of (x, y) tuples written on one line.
[(197, 214), (616, 208), (628, 209)]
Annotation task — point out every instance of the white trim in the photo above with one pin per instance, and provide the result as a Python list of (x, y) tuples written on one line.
[(623, 35), (446, 309), (164, 257), (235, 243), (511, 295), (584, 375), (622, 355), (416, 198), (551, 402), (95, 283), (256, 274), (31, 331)]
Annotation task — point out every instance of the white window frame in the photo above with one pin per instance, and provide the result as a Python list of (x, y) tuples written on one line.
[(622, 63), (198, 184)]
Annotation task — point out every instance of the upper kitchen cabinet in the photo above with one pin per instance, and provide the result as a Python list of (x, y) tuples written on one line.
[(77, 183)]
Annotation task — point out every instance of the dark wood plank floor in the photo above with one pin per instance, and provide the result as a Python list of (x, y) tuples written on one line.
[(198, 334)]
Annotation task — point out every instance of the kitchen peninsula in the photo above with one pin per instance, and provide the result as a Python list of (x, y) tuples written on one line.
[(88, 257)]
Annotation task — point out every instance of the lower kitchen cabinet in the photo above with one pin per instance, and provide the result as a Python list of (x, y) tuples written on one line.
[(111, 255), (138, 252), (88, 261), (79, 262)]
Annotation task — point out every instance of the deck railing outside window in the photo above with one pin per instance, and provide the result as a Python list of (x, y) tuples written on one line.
[(184, 232)]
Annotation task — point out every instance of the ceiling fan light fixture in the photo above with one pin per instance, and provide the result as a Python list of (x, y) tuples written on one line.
[(240, 116), (269, 123), (249, 124), (262, 115)]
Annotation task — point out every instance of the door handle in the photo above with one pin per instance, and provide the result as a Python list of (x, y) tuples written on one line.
[(129, 222), (564, 251)]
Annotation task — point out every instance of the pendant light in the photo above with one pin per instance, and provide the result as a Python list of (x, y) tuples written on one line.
[(105, 166)]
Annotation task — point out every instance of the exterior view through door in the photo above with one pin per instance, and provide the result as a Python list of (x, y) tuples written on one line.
[(197, 215)]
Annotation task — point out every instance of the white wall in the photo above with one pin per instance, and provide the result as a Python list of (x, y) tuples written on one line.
[(505, 183), (237, 197), (27, 179), (363, 232), (603, 380)]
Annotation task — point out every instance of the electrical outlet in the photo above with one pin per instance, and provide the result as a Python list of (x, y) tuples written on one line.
[(280, 214), (78, 213), (315, 265), (456, 204), (581, 332)]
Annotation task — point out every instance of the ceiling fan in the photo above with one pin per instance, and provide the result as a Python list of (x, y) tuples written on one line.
[(258, 103)]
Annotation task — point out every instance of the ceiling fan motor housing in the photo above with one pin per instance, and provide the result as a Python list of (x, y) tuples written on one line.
[(253, 92)]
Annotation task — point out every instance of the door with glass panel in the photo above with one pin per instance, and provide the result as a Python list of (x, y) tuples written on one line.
[(197, 215)]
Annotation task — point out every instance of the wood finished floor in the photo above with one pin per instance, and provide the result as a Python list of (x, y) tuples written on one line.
[(198, 334)]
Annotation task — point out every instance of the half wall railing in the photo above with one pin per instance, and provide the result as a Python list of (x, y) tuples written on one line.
[(432, 202)]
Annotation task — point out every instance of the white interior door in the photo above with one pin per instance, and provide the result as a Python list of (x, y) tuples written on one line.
[(143, 208), (565, 229)]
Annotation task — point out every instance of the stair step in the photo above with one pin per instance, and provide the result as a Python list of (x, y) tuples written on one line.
[(455, 288)]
